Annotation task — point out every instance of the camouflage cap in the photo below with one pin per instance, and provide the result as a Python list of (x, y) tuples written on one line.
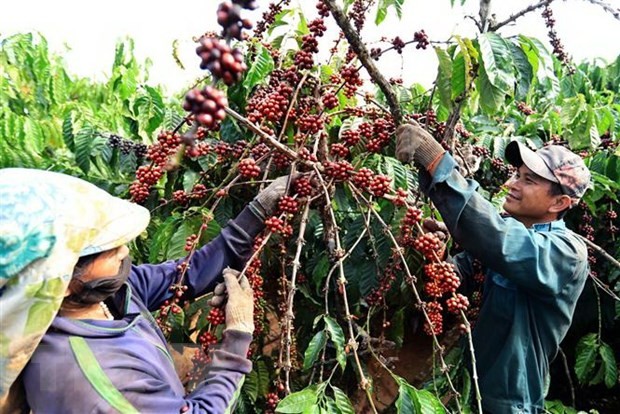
[(555, 163)]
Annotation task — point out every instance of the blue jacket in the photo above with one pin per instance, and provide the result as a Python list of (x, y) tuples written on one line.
[(123, 365), (533, 280)]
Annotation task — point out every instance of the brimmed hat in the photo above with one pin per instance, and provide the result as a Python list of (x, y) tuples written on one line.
[(554, 163), (47, 221)]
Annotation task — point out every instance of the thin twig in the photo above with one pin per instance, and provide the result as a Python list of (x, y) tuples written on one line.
[(364, 382), (514, 17), (291, 104), (600, 250), (362, 53), (289, 315), (357, 194), (568, 376), (606, 7)]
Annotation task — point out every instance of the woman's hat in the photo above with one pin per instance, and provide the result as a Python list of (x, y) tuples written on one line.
[(47, 221)]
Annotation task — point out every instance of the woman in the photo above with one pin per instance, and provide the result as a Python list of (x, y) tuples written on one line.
[(68, 288)]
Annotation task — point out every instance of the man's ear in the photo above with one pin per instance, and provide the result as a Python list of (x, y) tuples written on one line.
[(561, 203)]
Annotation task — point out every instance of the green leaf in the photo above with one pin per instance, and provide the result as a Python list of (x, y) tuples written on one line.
[(156, 110), (189, 180), (542, 65), (444, 77), (397, 327), (491, 98), (586, 352), (176, 248), (497, 62), (342, 401), (382, 9), (410, 400), (524, 71), (67, 132), (459, 76), (329, 406), (609, 364), (250, 386), (406, 401), (315, 347), (83, 148), (337, 336), (259, 68), (161, 239), (572, 109), (320, 270), (299, 401), (366, 273), (257, 382)]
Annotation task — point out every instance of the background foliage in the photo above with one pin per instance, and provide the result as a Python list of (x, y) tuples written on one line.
[(499, 89)]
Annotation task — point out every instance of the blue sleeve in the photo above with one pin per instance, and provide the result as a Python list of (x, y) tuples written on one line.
[(215, 394), (225, 375), (231, 248), (533, 260)]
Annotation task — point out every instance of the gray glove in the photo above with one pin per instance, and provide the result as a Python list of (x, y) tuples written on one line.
[(413, 143), (240, 304), (219, 296), (269, 197)]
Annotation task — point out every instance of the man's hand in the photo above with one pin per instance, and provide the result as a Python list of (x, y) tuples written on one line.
[(413, 143), (438, 228), (240, 305), (269, 197)]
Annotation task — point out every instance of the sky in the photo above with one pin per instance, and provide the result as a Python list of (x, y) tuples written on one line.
[(86, 32)]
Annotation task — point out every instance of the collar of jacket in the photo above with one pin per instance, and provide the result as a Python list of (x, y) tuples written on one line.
[(553, 225), (90, 328)]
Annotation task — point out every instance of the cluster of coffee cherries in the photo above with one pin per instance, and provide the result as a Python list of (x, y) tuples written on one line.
[(248, 168), (147, 176), (442, 279), (434, 311), (351, 79), (377, 295), (253, 273), (525, 109), (558, 48), (127, 146), (279, 226), (216, 316), (421, 39), (207, 105), (270, 104), (288, 205), (229, 17), (457, 303), (338, 170), (271, 402), (428, 244), (221, 60)]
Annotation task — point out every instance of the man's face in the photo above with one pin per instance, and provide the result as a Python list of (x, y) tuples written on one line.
[(529, 198)]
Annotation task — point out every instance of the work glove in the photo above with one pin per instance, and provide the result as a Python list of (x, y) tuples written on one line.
[(413, 143), (219, 296), (468, 162), (269, 197), (240, 304)]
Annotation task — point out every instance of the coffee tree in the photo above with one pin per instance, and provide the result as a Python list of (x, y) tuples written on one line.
[(348, 279)]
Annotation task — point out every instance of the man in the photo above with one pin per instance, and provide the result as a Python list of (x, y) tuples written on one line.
[(535, 267)]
